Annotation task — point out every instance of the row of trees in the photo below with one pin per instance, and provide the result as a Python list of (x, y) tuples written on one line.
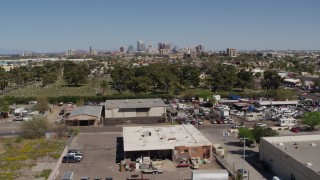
[(163, 77), (49, 72)]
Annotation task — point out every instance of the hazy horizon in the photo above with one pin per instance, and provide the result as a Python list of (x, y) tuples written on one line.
[(56, 26)]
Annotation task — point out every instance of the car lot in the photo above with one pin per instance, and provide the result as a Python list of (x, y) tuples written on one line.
[(99, 160)]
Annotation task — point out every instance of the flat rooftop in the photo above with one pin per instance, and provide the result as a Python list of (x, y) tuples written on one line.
[(305, 148), (143, 138)]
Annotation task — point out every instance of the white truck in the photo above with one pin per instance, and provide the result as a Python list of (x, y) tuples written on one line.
[(218, 174), (224, 113)]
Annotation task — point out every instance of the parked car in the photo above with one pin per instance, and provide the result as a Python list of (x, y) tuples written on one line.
[(76, 151), (183, 164), (236, 126), (70, 159), (152, 171), (60, 104), (18, 118), (76, 155), (242, 172), (295, 129), (261, 125)]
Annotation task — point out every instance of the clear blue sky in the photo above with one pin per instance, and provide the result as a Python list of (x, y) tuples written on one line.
[(58, 25)]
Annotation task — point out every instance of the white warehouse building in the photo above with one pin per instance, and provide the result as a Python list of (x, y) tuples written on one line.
[(140, 110), (292, 157)]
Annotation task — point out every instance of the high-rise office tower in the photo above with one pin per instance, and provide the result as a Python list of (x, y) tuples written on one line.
[(90, 50), (231, 52), (122, 49), (199, 48), (140, 45), (130, 48)]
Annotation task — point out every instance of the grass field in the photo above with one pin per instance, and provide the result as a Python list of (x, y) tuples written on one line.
[(17, 156), (57, 89)]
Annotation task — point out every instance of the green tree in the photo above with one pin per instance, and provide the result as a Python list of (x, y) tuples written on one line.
[(189, 76), (42, 105), (245, 79), (316, 82), (34, 128), (5, 108), (271, 80), (259, 132), (311, 119), (245, 133), (223, 77), (75, 73), (104, 86), (258, 74), (120, 77)]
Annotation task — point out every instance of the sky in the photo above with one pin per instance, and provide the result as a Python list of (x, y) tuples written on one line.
[(59, 25)]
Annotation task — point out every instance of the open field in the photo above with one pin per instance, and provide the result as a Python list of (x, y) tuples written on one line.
[(28, 159), (57, 89)]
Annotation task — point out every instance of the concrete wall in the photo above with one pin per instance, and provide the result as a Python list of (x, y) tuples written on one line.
[(126, 113), (282, 164), (157, 111), (55, 171)]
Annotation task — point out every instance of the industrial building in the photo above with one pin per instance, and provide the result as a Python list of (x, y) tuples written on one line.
[(292, 157), (85, 116), (134, 110), (165, 142)]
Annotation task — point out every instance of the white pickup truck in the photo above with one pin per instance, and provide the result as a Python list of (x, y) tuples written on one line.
[(152, 171), (76, 155)]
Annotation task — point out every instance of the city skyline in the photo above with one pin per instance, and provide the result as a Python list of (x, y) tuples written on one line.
[(61, 25)]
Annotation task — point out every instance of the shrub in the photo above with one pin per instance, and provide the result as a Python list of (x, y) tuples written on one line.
[(35, 128)]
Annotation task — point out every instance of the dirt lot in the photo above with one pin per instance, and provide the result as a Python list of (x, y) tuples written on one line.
[(99, 160)]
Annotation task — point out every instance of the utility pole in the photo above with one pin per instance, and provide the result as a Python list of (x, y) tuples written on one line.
[(198, 118), (244, 150)]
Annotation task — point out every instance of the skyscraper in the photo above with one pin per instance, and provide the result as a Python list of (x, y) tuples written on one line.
[(122, 49), (90, 50), (199, 48), (231, 52), (140, 45), (130, 48)]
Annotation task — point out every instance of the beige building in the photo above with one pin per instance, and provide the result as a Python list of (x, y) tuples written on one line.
[(170, 142), (292, 157), (125, 110)]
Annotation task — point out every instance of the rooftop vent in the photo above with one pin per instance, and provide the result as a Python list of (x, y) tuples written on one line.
[(146, 133), (172, 139), (313, 144), (127, 101), (281, 144), (309, 164), (140, 101)]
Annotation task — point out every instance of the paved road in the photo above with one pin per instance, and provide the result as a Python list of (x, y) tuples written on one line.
[(214, 133)]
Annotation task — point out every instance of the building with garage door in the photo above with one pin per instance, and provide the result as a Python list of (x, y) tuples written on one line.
[(166, 142), (134, 110), (292, 157), (85, 116)]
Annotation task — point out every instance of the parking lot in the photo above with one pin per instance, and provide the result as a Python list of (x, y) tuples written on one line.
[(99, 160)]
